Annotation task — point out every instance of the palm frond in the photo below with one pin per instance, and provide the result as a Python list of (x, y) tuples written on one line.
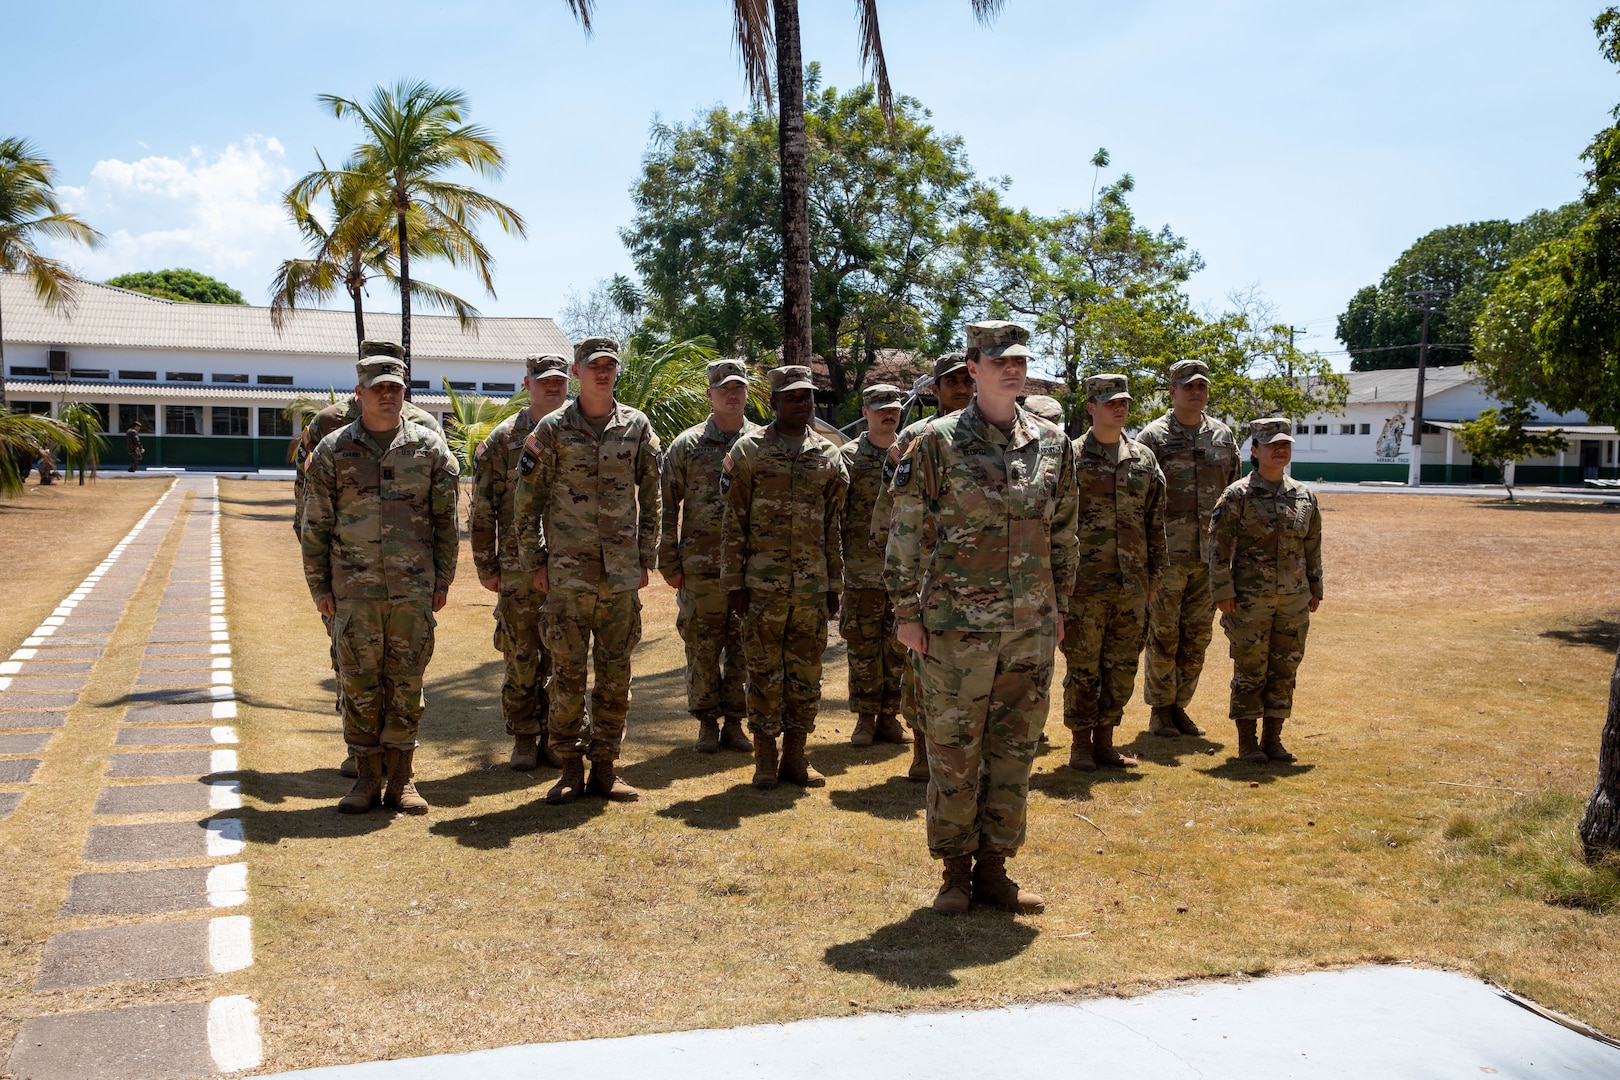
[(987, 10), (670, 384), (582, 9), (22, 437), (472, 418), (755, 33), (872, 61), (86, 425)]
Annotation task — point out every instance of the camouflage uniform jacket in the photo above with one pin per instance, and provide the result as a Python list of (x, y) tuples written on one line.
[(1196, 471), (380, 520), (866, 465), (588, 507), (1120, 527), (322, 424), (494, 497), (1265, 540), (1003, 507), (783, 513), (694, 509), (883, 509)]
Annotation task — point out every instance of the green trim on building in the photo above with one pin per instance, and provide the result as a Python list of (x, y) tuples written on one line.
[(201, 451)]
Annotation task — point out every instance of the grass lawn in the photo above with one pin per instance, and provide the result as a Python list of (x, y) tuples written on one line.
[(1461, 643)]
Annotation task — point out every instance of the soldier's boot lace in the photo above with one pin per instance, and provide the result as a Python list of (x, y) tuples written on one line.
[(865, 733), (1271, 742), (1249, 746), (955, 894), (891, 730), (708, 740), (795, 767), (733, 737), (1184, 723), (605, 782), (764, 761), (1103, 752), (1080, 758), (349, 769), (401, 794), (919, 759), (992, 886), (368, 786), (525, 753), (1162, 722), (570, 783)]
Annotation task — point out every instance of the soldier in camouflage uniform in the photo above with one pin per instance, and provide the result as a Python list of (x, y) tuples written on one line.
[(690, 558), (380, 543), (866, 618), (587, 521), (1265, 570), (983, 611), (1049, 409), (524, 705), (1199, 459), (784, 488), (953, 389), (1122, 555)]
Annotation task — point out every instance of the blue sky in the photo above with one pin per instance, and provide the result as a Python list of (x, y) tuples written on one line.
[(1298, 146)]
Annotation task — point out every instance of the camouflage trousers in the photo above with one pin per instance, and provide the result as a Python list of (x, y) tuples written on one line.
[(1267, 637), (1180, 624), (524, 704), (383, 648), (1101, 642), (876, 657), (784, 638), (571, 621), (984, 706), (716, 672)]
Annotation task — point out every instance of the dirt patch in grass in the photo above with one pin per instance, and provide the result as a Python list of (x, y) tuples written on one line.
[(496, 919)]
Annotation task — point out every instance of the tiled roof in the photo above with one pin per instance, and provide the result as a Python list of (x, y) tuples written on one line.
[(1400, 384), (114, 389), (106, 316)]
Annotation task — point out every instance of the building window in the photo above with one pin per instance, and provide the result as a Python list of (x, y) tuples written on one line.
[(454, 385), (273, 425), (146, 414), (138, 376), (230, 420), (182, 419), (183, 376), (103, 413), (1302, 429), (419, 384), (91, 373), (32, 408), (229, 378), (1366, 429), (1321, 429), (1347, 429), (275, 380), (500, 387), (30, 372), (1430, 429)]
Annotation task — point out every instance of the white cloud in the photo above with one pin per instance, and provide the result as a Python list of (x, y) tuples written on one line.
[(219, 213)]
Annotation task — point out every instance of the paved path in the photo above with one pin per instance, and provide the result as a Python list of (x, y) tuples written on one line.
[(172, 758), (1475, 491)]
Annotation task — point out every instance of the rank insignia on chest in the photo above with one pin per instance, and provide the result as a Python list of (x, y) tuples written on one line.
[(388, 472)]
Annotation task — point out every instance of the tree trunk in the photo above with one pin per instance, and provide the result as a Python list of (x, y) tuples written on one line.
[(404, 294), (359, 323), (796, 347), (1600, 828), (4, 408)]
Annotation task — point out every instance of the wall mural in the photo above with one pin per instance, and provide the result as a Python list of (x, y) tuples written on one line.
[(1388, 447)]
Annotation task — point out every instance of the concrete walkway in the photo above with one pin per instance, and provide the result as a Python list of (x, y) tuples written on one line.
[(1375, 1022), (1474, 491)]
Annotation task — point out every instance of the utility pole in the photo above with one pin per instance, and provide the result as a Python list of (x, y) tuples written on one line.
[(1426, 301)]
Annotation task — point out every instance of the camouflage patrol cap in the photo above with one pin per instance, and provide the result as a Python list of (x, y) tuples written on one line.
[(1271, 429), (1183, 372), (1105, 388), (381, 348), (948, 363), (993, 337), (792, 377), (592, 347), (380, 369), (882, 396), (1047, 408), (546, 365), (722, 372)]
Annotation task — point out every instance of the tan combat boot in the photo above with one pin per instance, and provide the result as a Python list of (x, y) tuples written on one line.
[(1184, 723), (733, 737), (525, 753), (368, 786), (570, 783), (1080, 758), (401, 794), (1248, 746), (547, 754), (919, 759), (349, 770), (865, 733), (890, 730), (795, 767), (764, 761), (1271, 742), (708, 740), (955, 894), (1162, 722), (1103, 752), (604, 781), (992, 886)]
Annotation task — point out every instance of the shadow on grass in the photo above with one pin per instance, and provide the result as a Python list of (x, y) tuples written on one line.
[(725, 810), (1244, 773), (1066, 783), (1549, 506), (1596, 633), (895, 799), (309, 823), (680, 763), (490, 831), (837, 758), (923, 951)]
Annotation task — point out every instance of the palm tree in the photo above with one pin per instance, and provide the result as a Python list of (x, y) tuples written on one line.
[(301, 412), (413, 134), (89, 441), (670, 384), (29, 210), (472, 418), (356, 245), (22, 436), (757, 26)]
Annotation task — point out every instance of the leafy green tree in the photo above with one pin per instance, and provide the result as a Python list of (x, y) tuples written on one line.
[(187, 286), (85, 452), (614, 307), (22, 438), (1497, 437), (30, 212), (413, 134)]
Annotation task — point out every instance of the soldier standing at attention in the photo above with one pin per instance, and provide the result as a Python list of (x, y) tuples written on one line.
[(380, 543), (984, 611), (690, 558), (1121, 538), (132, 444), (495, 553), (1265, 569), (866, 618), (1199, 459), (784, 488), (953, 389), (587, 522)]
